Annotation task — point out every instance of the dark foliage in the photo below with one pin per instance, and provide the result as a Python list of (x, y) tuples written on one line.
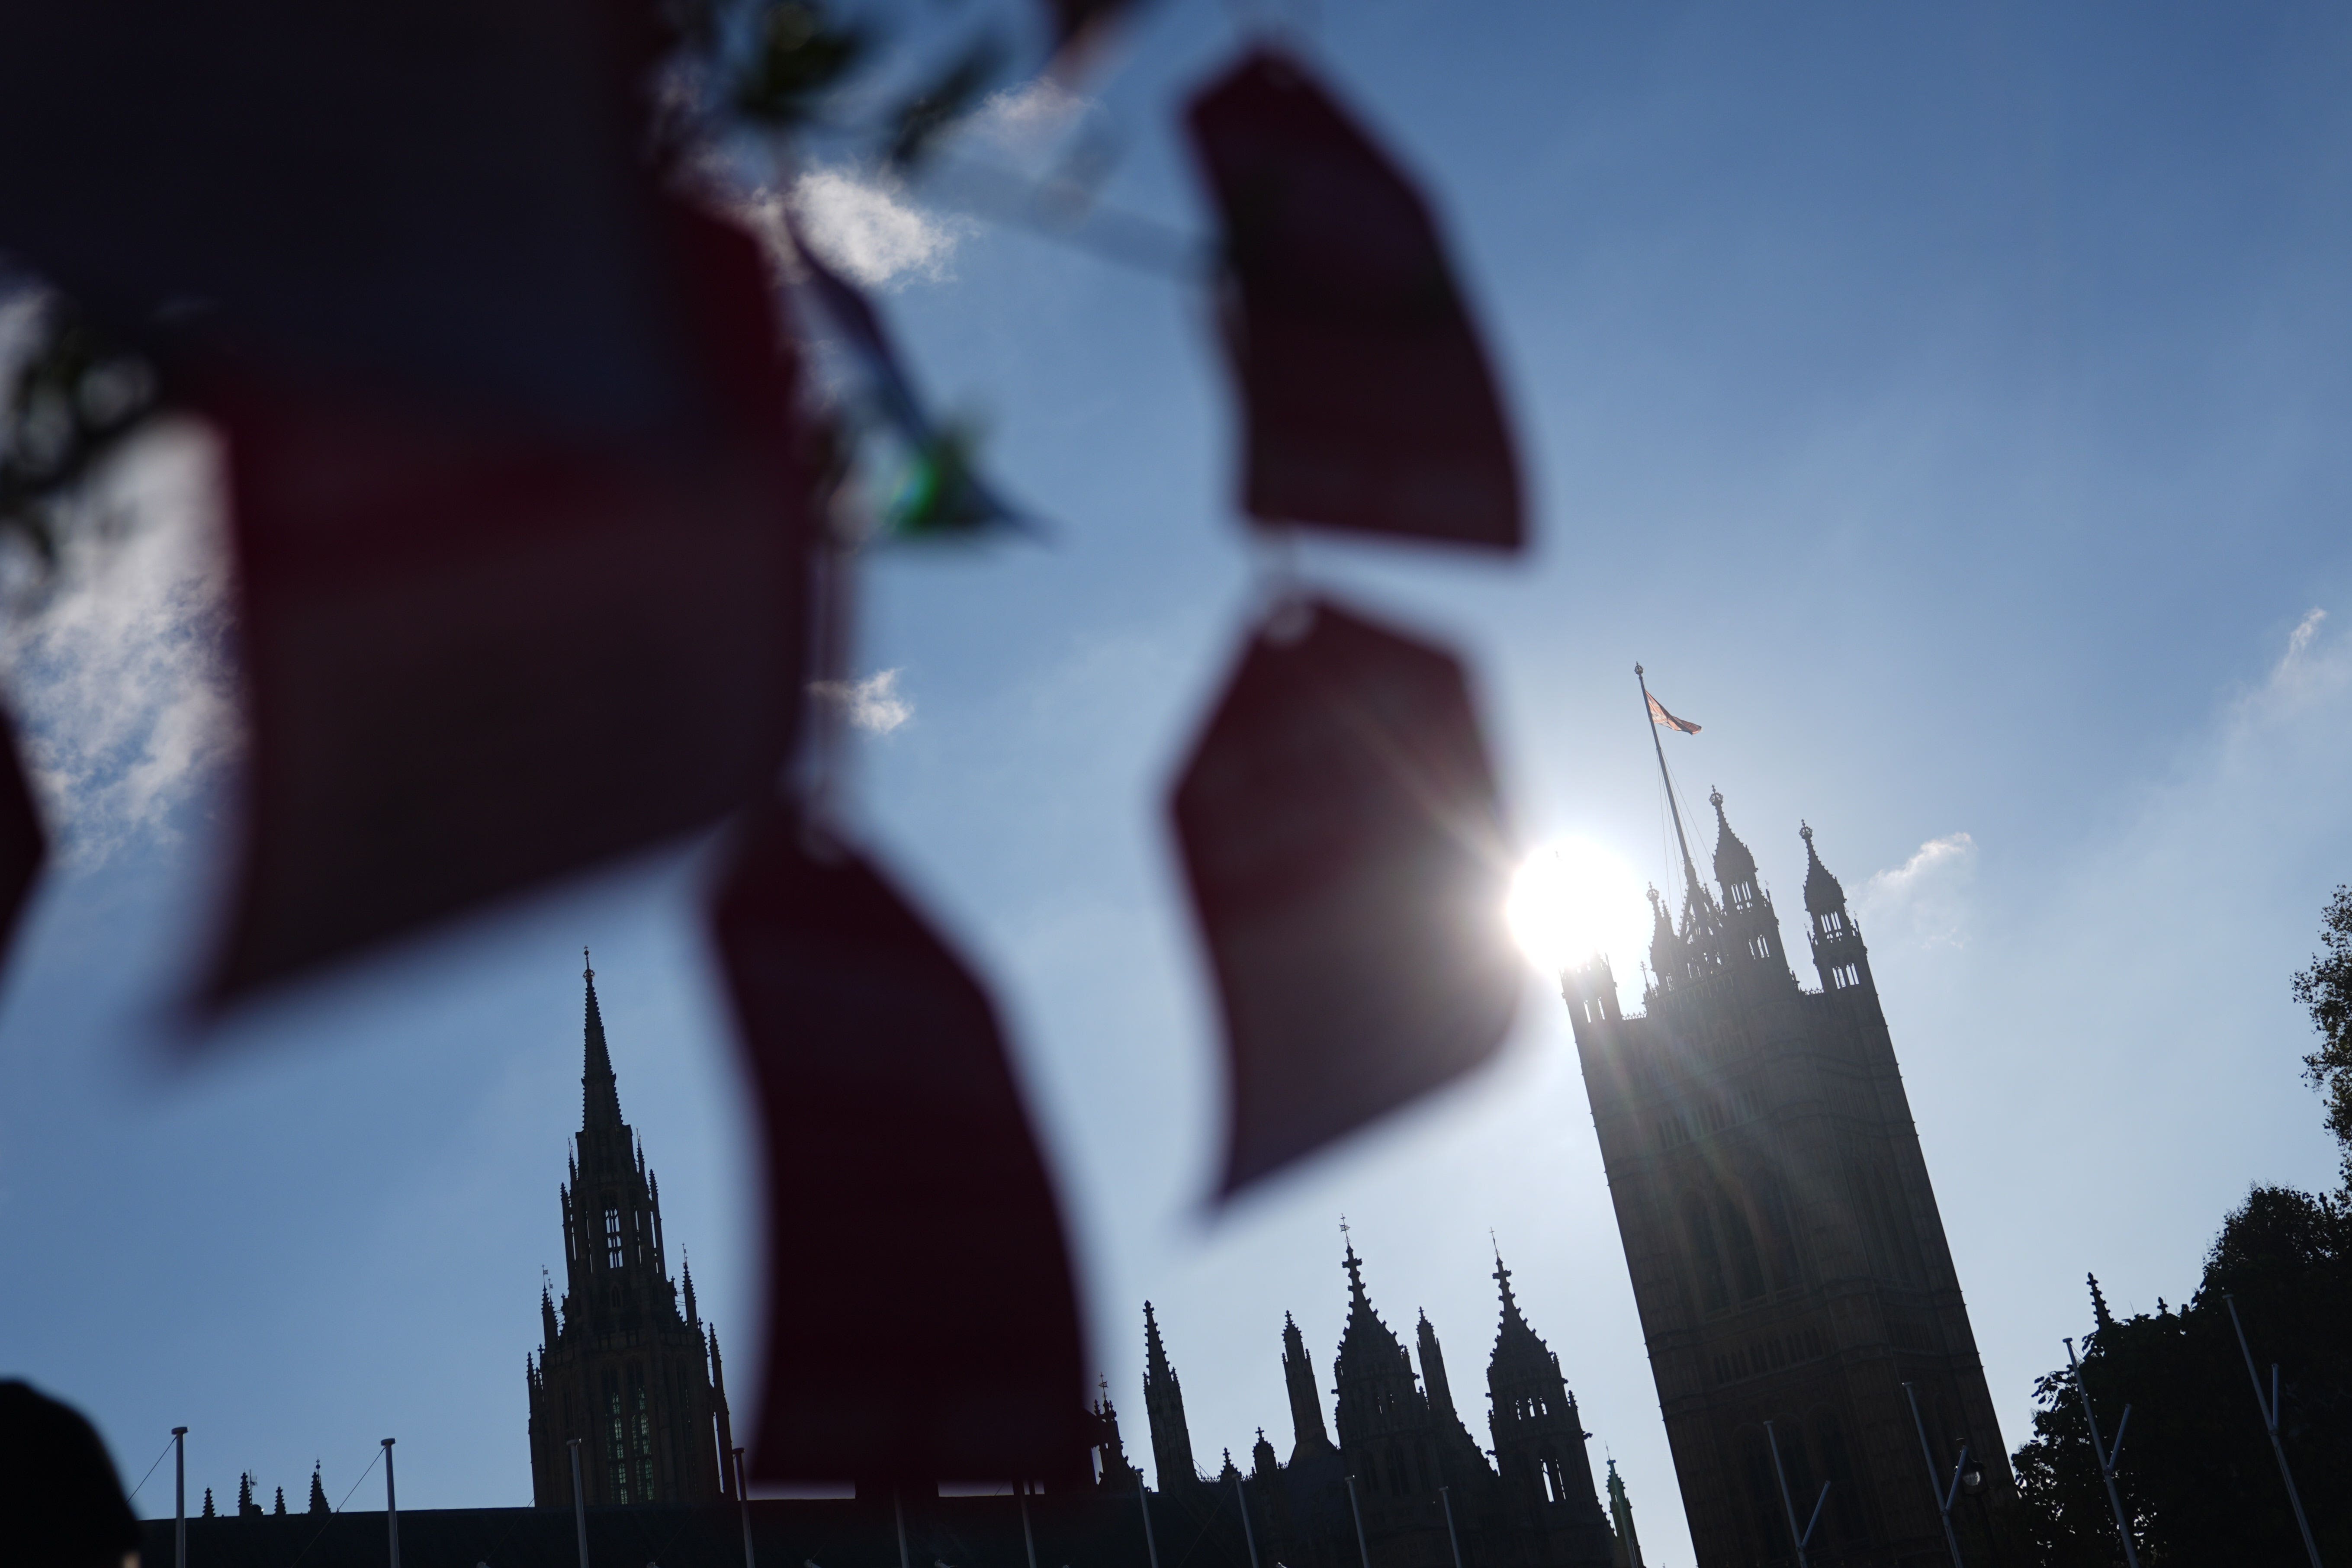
[(2326, 987), (2197, 1476), (801, 55), (72, 399)]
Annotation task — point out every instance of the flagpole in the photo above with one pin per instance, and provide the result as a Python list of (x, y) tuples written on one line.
[(1689, 875)]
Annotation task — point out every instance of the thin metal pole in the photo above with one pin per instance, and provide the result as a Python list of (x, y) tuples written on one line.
[(1143, 1496), (579, 1501), (2106, 1455), (1781, 1476), (1356, 1508), (1029, 1541), (1248, 1533), (2268, 1407), (1445, 1495), (390, 1505), (1935, 1480), (1689, 875), (179, 1497), (743, 1502), (1806, 1534), (899, 1508)]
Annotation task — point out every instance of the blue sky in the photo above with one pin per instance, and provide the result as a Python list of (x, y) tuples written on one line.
[(1948, 409)]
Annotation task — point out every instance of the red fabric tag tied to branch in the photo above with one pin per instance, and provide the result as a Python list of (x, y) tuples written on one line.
[(922, 1322), (480, 654), (1368, 404), (1349, 863)]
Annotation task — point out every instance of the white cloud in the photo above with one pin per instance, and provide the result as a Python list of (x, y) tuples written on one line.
[(867, 228), (873, 704), (122, 687), (2299, 640), (1022, 119), (1925, 899)]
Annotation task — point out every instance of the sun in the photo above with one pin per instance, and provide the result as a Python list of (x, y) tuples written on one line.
[(1572, 899)]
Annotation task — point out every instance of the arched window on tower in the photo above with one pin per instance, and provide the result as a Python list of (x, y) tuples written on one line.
[(1712, 1294), (612, 1236), (644, 1435), (1779, 1226), (1740, 1238), (616, 1437)]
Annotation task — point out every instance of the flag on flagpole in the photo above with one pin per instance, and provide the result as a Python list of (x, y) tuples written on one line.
[(1658, 715)]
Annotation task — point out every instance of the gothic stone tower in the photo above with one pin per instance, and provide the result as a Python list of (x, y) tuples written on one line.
[(636, 1381), (1787, 1257), (1546, 1475), (1163, 1407)]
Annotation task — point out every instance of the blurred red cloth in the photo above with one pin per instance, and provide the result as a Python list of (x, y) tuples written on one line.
[(922, 1320), (1349, 863), (1367, 401), (483, 652)]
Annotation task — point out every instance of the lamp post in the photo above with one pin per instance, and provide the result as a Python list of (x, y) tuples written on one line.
[(390, 1505), (179, 1497), (743, 1502), (579, 1501)]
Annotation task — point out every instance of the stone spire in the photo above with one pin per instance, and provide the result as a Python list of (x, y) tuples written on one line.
[(600, 1092), (1838, 950), (1457, 1448), (1375, 1389), (1823, 891), (1163, 1407), (1538, 1435), (1621, 1517), (1514, 1324), (1666, 947), (1307, 1435), (1735, 867)]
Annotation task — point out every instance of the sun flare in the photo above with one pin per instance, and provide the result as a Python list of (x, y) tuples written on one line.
[(1572, 899)]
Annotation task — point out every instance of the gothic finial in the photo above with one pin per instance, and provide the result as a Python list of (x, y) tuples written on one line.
[(1355, 1268), (1823, 892), (2099, 1304), (600, 1092), (1715, 798)]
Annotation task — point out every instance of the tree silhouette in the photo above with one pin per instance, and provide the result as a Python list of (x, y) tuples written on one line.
[(2326, 987), (2196, 1474)]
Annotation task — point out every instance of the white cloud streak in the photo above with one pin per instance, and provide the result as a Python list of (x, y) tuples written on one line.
[(865, 227), (874, 704), (1926, 898), (1026, 118), (121, 686)]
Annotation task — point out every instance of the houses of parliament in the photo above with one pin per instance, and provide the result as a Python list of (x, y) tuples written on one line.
[(1805, 1325)]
